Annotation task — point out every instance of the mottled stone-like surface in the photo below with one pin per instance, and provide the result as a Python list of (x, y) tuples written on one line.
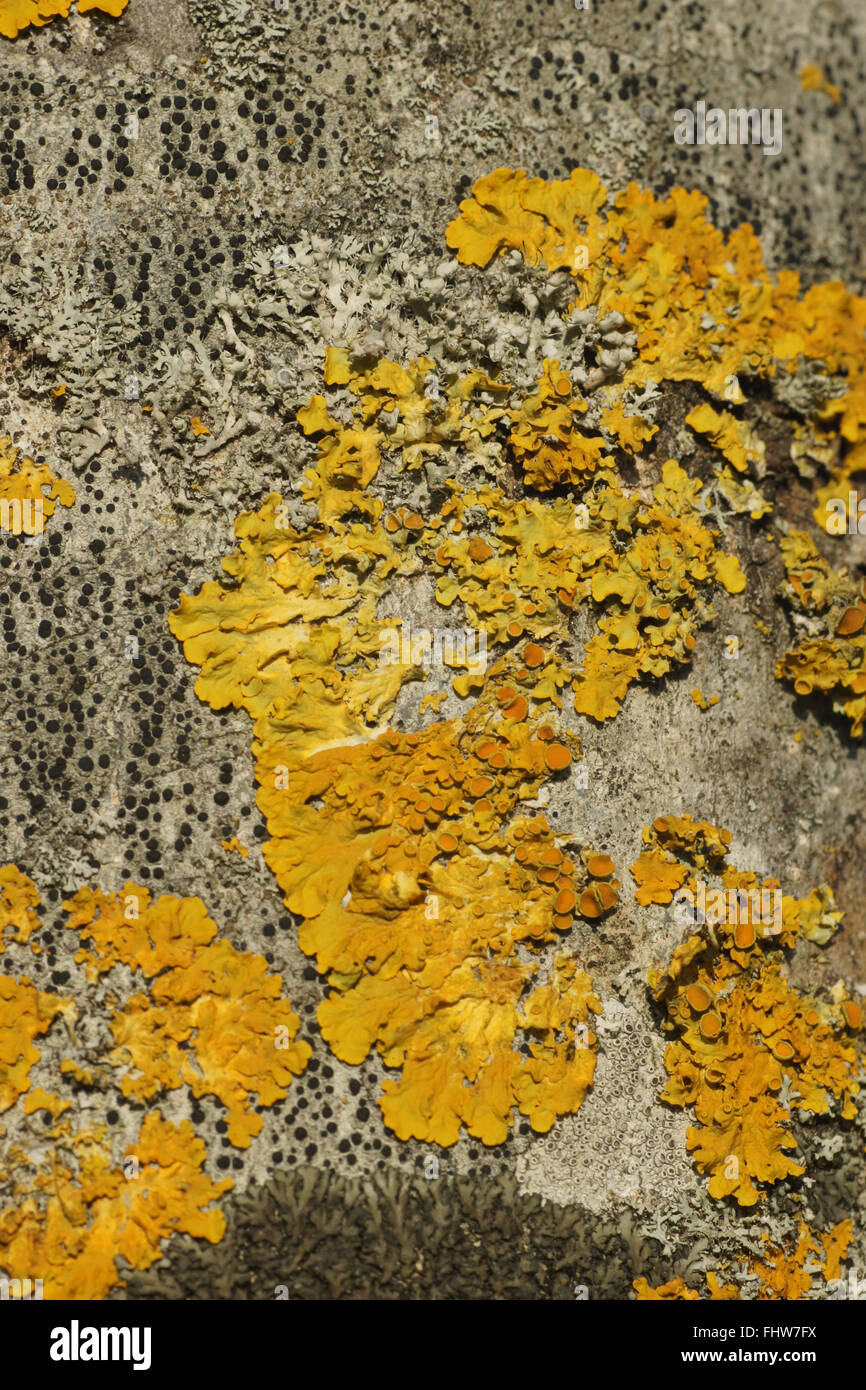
[(151, 166)]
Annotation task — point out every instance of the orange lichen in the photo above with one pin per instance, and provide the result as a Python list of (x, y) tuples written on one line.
[(16, 15), (597, 899), (214, 1026), (24, 506), (424, 910), (732, 437), (548, 223), (658, 877), (295, 638), (407, 937), (786, 1269), (392, 410), (832, 663), (389, 844), (697, 841), (600, 865), (25, 1014), (852, 620), (677, 1290), (19, 899), (739, 494), (651, 592), (840, 506), (631, 431), (749, 1049), (557, 757), (127, 928), (835, 1243), (648, 567), (545, 439), (40, 1099), (209, 1018), (648, 564), (784, 1272), (212, 1016), (673, 1291), (71, 1222), (813, 79), (703, 307)]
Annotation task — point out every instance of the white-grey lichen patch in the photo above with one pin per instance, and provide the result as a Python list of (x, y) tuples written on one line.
[(621, 1147)]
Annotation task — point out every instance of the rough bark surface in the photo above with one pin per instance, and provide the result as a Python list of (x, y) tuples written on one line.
[(153, 164)]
